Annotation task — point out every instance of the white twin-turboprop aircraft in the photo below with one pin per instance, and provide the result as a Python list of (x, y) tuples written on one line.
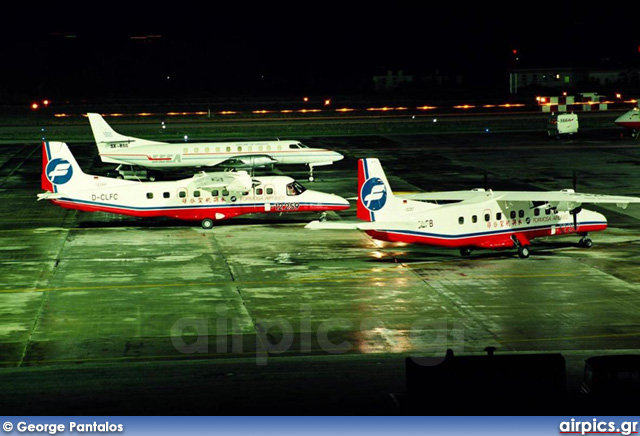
[(158, 156), (205, 197), (476, 219)]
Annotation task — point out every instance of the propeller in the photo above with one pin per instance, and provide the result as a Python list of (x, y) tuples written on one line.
[(577, 210)]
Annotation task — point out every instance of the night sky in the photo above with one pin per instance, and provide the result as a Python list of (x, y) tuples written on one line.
[(111, 51)]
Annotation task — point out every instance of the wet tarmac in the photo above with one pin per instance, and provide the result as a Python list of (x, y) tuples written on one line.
[(134, 316)]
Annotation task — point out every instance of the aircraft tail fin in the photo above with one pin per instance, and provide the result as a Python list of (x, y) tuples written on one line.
[(107, 138), (376, 201), (60, 169)]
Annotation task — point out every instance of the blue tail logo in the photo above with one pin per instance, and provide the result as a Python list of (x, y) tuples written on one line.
[(373, 194), (59, 171)]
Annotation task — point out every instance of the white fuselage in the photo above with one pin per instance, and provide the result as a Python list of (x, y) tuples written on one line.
[(488, 224), (261, 153)]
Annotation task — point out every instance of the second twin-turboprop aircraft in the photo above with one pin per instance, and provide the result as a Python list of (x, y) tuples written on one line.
[(205, 197), (158, 156), (475, 219)]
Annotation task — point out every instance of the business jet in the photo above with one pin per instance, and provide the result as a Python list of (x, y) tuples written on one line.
[(205, 197), (127, 151), (476, 219), (630, 120)]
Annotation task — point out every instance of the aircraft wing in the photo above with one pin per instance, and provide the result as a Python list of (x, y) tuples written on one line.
[(442, 196), (239, 181), (564, 196)]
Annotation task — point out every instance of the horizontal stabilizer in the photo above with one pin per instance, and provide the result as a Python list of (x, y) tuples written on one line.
[(333, 225), (49, 196)]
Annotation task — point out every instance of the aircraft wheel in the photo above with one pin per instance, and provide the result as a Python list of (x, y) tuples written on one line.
[(152, 178), (523, 251), (464, 252), (586, 243), (207, 223), (311, 178), (120, 176)]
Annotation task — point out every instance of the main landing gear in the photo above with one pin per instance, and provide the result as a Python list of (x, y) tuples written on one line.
[(523, 247), (207, 223), (465, 252), (311, 178), (585, 242)]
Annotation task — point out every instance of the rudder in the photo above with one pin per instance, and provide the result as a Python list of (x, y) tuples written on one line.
[(375, 197)]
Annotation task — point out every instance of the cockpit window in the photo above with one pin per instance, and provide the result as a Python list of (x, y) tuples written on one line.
[(295, 188), (297, 145)]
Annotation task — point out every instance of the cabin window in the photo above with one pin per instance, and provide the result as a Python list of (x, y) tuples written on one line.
[(182, 193), (295, 188), (259, 191), (150, 195), (513, 214), (196, 150), (279, 147), (547, 211), (268, 148), (260, 148), (196, 194), (166, 195), (228, 149), (225, 193), (269, 191), (521, 213), (536, 212), (461, 220), (185, 150), (487, 217), (206, 149), (217, 149), (498, 216), (474, 219), (239, 148), (215, 193)]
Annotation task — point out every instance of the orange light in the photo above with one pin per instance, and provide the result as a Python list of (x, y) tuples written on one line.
[(61, 115), (45, 102), (228, 113), (345, 109), (426, 108), (35, 106), (618, 95), (305, 99), (464, 106), (327, 102)]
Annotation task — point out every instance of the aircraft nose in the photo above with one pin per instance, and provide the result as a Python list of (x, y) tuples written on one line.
[(335, 156)]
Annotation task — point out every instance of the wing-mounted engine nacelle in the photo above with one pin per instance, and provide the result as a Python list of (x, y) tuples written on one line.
[(249, 162), (239, 181)]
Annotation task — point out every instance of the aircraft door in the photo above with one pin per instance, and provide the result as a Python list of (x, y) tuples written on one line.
[(269, 197)]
